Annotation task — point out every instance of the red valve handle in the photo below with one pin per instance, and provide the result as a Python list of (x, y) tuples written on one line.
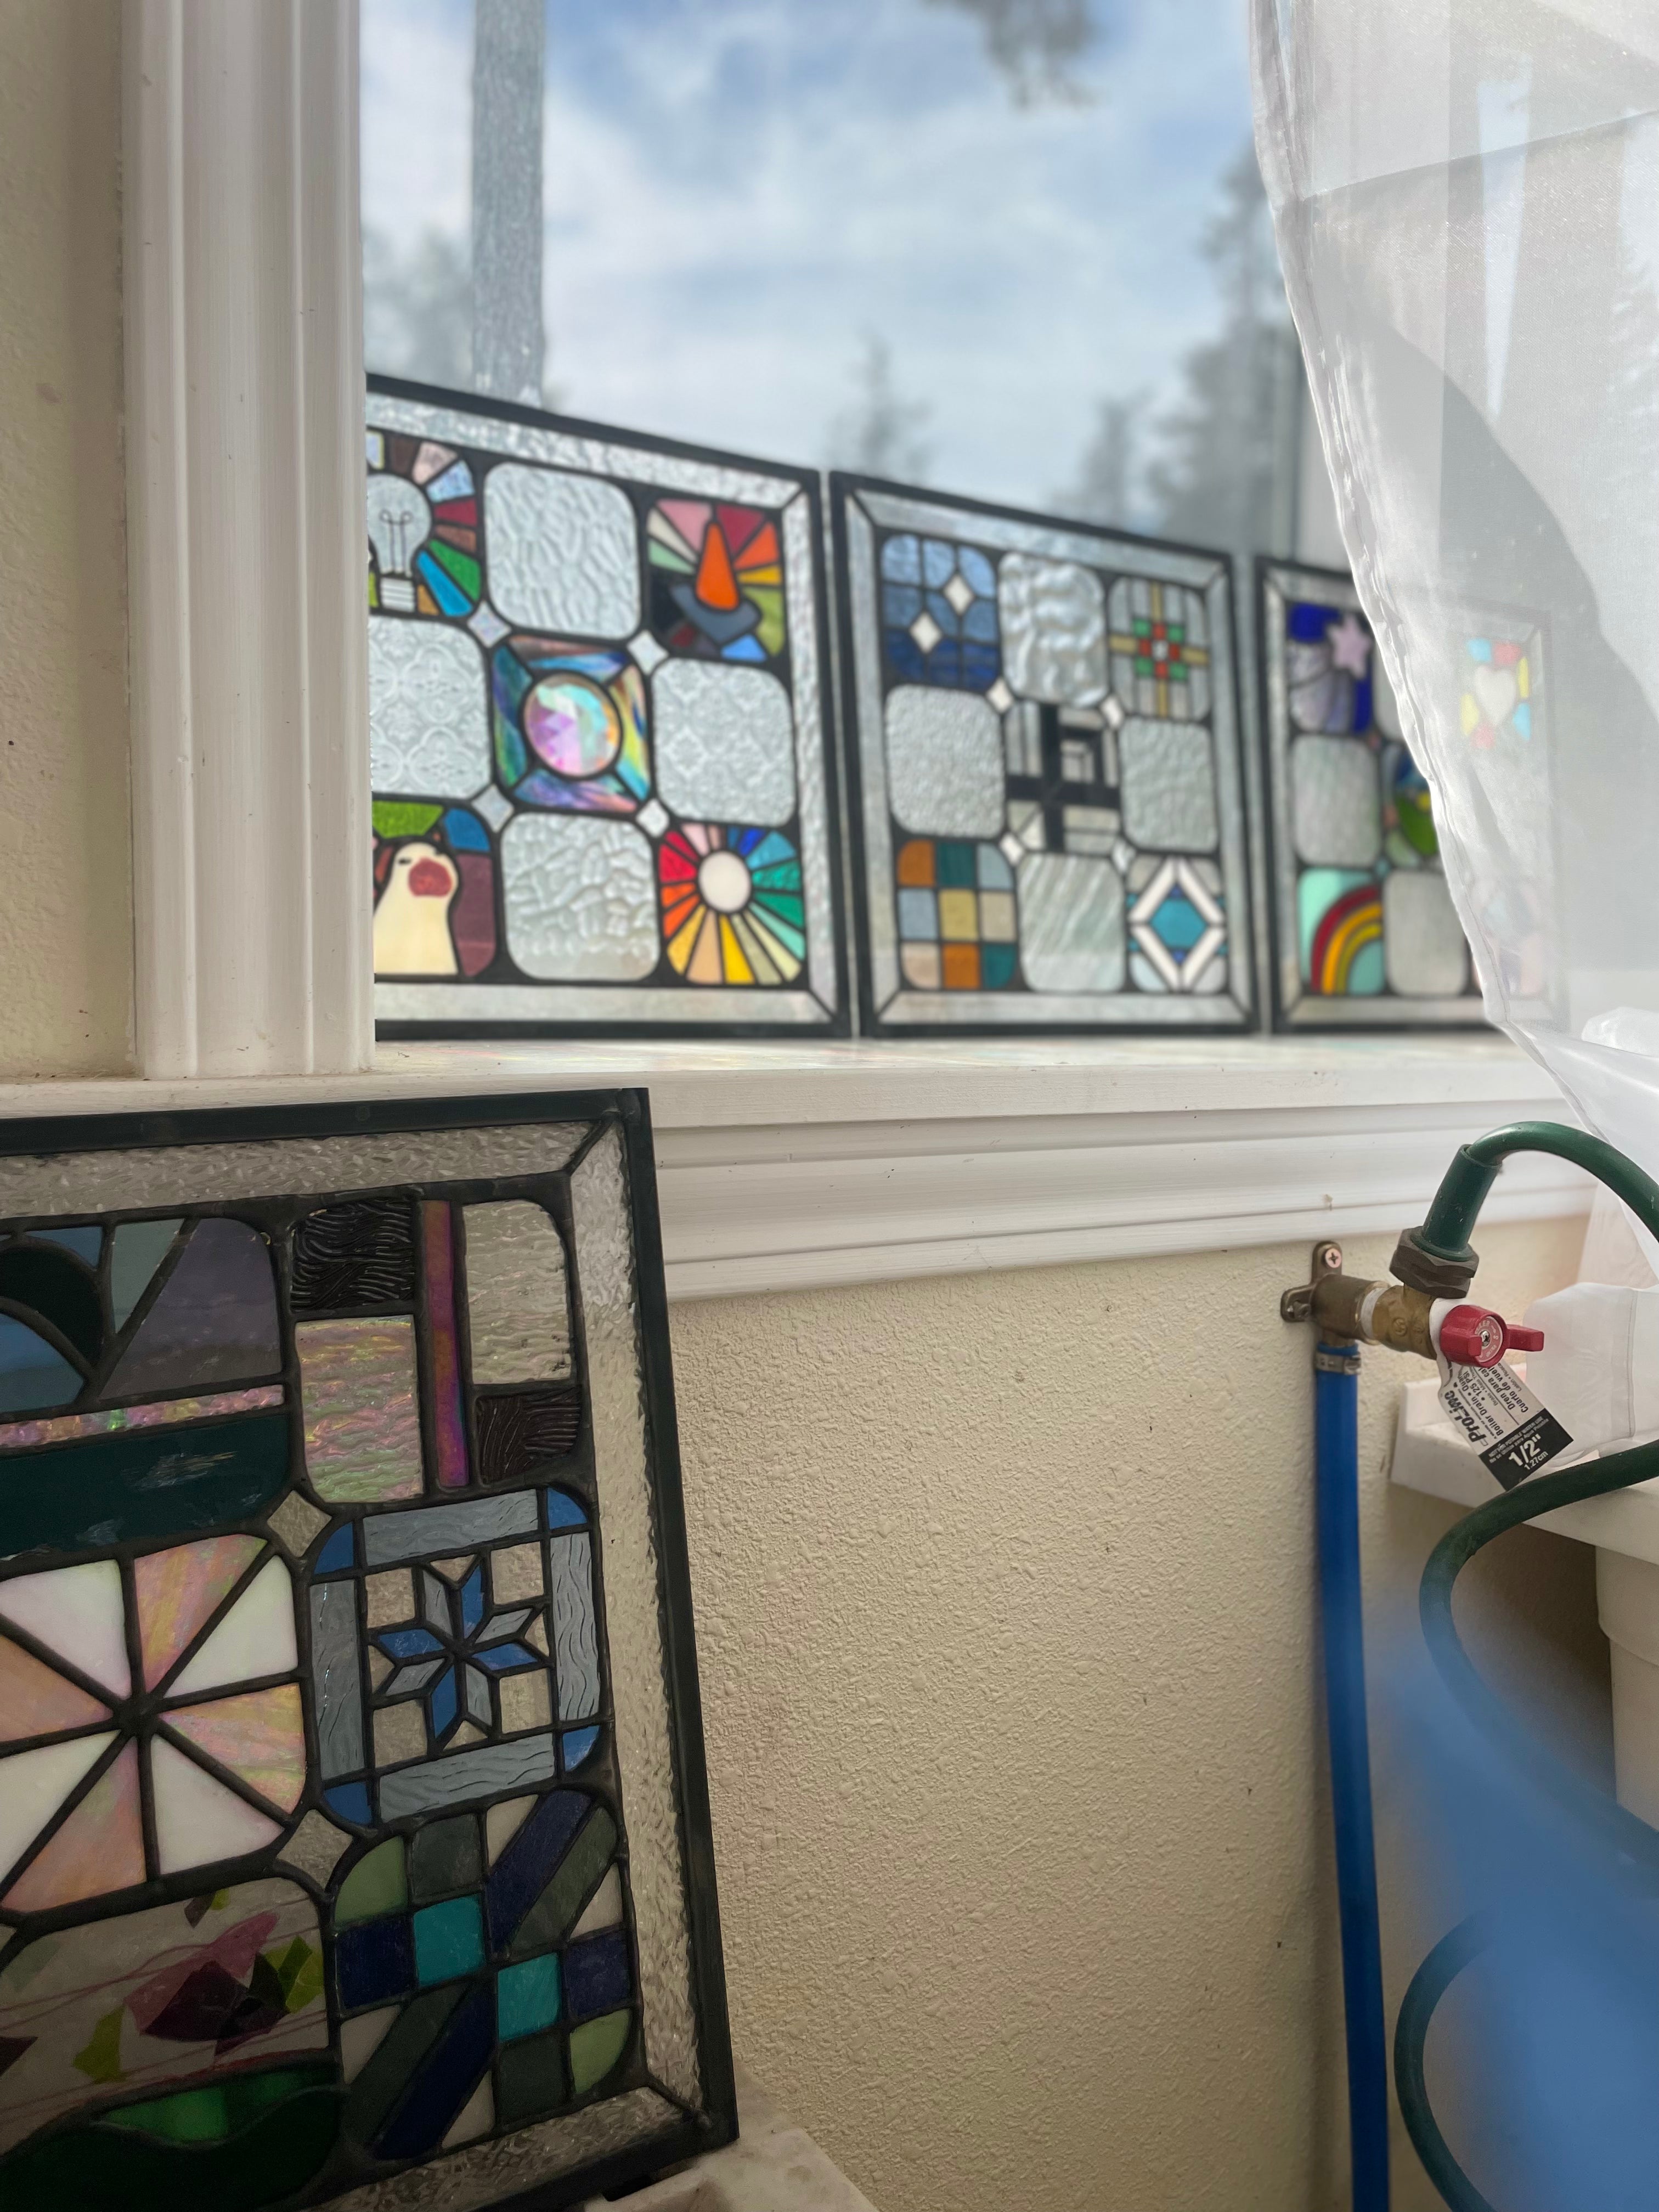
[(1474, 1336)]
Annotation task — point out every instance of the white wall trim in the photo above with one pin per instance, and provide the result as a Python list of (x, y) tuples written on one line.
[(244, 537), (782, 1170)]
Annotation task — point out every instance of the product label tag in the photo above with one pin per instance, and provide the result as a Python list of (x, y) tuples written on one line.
[(1515, 1433)]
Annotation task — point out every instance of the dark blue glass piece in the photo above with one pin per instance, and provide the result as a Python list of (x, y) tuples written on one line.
[(443, 1703), (503, 1658), (596, 1975), (340, 1552), (472, 1601), (444, 2081), (1308, 623), (373, 1962), (905, 654), (563, 1511), (409, 1643), (981, 666), (578, 1744), (525, 1867), (350, 1800)]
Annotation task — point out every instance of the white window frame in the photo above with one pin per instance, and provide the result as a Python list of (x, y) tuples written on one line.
[(781, 1167)]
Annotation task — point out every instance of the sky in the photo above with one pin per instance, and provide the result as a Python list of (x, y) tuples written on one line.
[(741, 194)]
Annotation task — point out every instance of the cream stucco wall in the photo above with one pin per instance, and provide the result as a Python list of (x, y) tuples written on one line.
[(1003, 1582), (1004, 1602), (65, 895)]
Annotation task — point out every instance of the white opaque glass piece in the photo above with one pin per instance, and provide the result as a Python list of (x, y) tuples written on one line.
[(76, 1611), (362, 2038), (255, 1638), (604, 1908), (476, 2117), (34, 1783), (197, 1820)]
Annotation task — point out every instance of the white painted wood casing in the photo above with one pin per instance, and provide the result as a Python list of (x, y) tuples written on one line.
[(244, 537)]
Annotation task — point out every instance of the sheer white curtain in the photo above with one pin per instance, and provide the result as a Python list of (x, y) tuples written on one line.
[(1467, 198)]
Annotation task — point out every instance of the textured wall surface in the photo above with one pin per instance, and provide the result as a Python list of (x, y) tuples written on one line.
[(1005, 1598), (65, 884)]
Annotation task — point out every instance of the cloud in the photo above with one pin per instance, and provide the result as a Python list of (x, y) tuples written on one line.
[(737, 190)]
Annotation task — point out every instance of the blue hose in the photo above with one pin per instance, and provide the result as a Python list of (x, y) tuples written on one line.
[(1336, 1484)]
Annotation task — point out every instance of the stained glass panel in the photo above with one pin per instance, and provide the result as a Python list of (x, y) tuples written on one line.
[(1046, 784), (597, 710), (350, 1779), (1365, 931)]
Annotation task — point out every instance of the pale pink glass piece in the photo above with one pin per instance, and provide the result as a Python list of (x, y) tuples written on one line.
[(260, 1735), (197, 1820), (33, 1701), (178, 1591), (76, 1611), (254, 1639), (99, 1849)]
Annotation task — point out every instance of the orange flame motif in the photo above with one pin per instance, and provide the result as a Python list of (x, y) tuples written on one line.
[(716, 584)]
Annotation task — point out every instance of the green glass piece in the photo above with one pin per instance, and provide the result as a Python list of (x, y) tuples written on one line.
[(552, 1915), (273, 2157), (299, 1969), (527, 1997), (220, 2108), (376, 1885), (394, 2059), (445, 1858), (403, 818), (136, 1250), (461, 566), (530, 2079), (596, 2047), (101, 2061), (448, 1940), (142, 1482)]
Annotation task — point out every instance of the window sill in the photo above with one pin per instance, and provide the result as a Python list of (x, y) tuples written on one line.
[(785, 1168)]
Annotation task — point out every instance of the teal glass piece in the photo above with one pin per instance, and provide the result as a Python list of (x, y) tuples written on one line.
[(136, 1250), (33, 1376), (448, 1941), (85, 1243), (142, 1483), (527, 1997), (62, 1291)]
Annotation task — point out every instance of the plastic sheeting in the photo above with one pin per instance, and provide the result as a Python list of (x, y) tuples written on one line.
[(1467, 198)]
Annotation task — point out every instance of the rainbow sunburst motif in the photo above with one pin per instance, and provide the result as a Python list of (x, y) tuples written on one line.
[(423, 528), (716, 579), (731, 910)]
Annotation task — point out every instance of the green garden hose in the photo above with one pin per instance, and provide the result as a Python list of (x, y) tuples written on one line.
[(1444, 1236)]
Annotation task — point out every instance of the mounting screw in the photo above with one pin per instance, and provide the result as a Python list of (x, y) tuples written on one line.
[(1297, 1303)]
